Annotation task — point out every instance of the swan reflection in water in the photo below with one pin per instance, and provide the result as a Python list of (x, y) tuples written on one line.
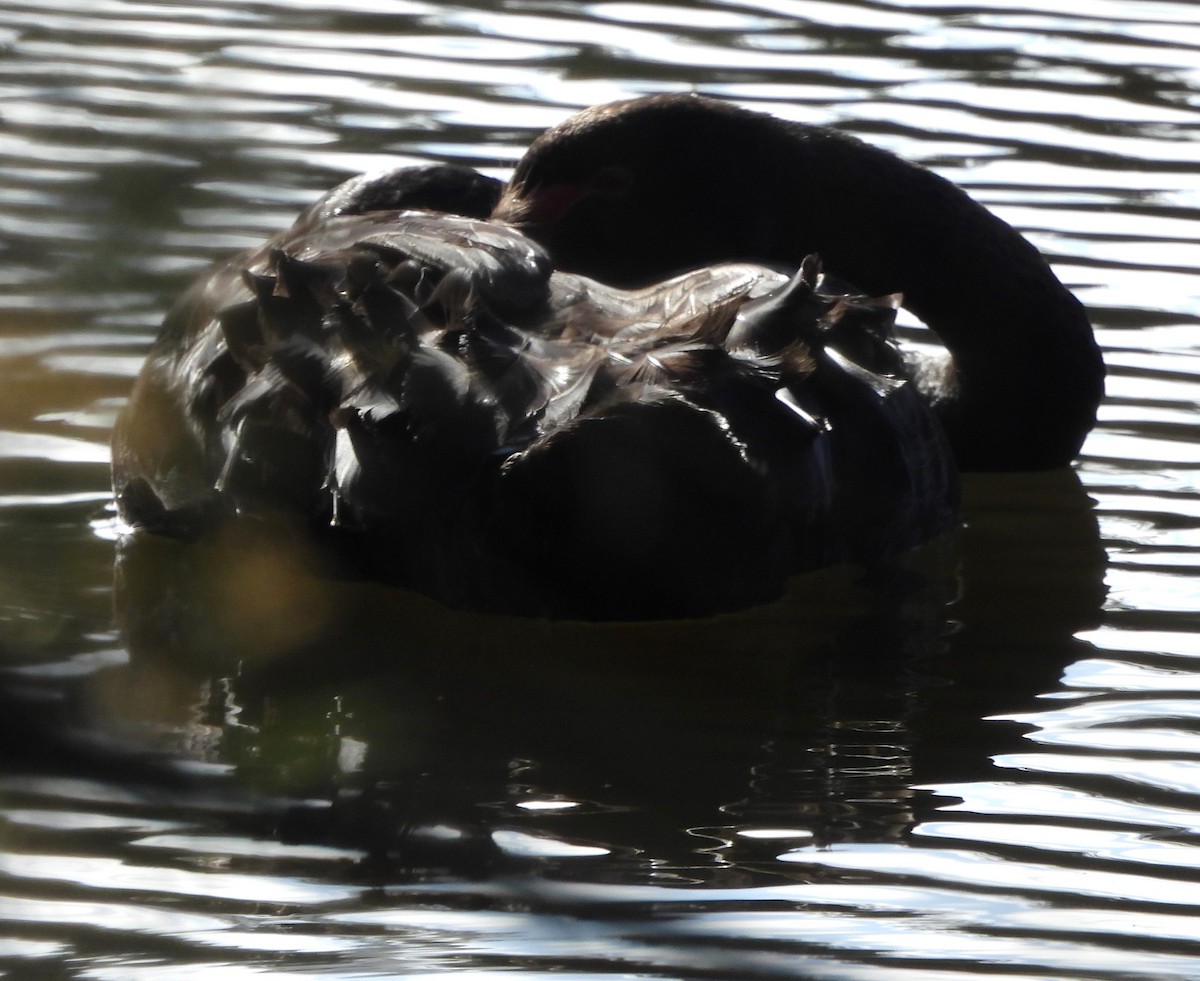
[(821, 713), (628, 411)]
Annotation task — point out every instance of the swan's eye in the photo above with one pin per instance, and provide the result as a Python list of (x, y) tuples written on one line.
[(613, 182)]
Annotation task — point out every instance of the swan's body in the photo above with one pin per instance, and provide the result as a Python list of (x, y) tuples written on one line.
[(473, 416)]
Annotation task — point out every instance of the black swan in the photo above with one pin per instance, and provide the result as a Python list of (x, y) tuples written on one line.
[(656, 426)]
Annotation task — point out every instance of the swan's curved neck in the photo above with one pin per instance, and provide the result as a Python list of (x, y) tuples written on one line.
[(1028, 374)]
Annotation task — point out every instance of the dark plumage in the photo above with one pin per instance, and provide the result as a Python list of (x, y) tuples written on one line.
[(423, 392)]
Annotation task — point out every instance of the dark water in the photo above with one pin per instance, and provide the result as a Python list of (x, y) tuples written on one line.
[(986, 765)]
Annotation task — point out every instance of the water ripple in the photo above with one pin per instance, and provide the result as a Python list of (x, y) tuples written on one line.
[(1018, 799)]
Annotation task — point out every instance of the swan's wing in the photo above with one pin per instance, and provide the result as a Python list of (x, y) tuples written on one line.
[(508, 269), (694, 304)]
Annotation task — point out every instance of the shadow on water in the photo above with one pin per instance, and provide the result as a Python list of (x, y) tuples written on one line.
[(441, 741)]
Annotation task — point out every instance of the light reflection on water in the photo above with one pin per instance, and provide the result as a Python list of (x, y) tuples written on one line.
[(986, 766)]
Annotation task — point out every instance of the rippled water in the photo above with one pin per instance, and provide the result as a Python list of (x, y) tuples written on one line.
[(988, 765)]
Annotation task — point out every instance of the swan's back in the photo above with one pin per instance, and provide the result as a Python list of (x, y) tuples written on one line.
[(503, 436)]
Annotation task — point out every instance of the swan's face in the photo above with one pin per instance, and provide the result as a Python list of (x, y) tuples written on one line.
[(587, 218), (635, 191)]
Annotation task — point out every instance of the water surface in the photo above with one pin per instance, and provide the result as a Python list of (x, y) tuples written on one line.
[(986, 765)]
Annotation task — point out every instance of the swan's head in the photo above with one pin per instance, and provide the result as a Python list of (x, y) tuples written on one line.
[(633, 191)]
